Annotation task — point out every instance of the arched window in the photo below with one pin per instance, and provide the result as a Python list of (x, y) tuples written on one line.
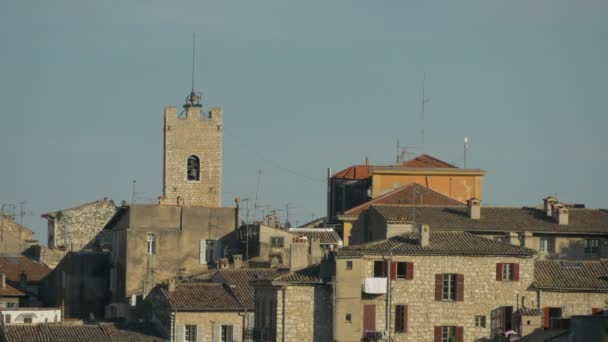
[(194, 168)]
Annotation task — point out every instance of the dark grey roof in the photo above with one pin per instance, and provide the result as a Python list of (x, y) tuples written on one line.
[(559, 275), (239, 281), (497, 219), (440, 243), (102, 332)]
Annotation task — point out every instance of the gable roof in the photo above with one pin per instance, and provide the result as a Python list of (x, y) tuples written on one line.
[(239, 281), (354, 172), (102, 332), (440, 243), (309, 275), (560, 275), (326, 236), (10, 291), (426, 161), (498, 219), (406, 194), (200, 296), (12, 266)]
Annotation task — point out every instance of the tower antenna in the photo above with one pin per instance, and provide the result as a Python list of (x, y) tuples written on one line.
[(424, 101), (194, 99)]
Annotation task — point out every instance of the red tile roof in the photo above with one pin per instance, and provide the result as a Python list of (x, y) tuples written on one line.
[(426, 161), (354, 172), (12, 266), (201, 296), (102, 332), (406, 195), (562, 275), (239, 281)]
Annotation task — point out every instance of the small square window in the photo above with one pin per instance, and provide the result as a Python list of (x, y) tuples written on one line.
[(276, 242), (480, 321), (402, 270), (380, 269), (349, 265), (348, 318)]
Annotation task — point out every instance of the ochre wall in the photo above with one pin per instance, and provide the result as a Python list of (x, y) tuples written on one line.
[(458, 187)]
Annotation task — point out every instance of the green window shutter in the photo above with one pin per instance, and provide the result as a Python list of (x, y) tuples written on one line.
[(199, 333), (180, 333)]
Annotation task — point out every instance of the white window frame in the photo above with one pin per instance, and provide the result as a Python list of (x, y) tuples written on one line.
[(547, 245), (449, 288), (223, 332), (592, 247), (445, 333), (151, 243), (508, 271), (480, 321), (190, 332)]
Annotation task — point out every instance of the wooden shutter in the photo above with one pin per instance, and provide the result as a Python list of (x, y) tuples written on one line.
[(595, 311), (409, 271), (369, 317), (199, 333), (399, 318), (546, 318), (516, 272), (202, 252), (217, 333), (438, 286), (499, 271), (237, 333), (437, 334), (393, 270), (405, 318), (180, 332), (459, 334), (460, 287)]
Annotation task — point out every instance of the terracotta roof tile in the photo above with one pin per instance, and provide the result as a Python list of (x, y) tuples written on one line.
[(103, 332), (12, 266), (354, 172), (10, 291), (201, 296), (406, 195), (440, 243), (561, 275), (308, 275), (426, 161), (497, 219)]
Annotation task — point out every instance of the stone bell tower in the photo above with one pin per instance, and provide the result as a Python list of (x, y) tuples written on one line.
[(192, 172)]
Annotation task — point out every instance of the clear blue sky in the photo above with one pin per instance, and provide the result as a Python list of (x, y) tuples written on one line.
[(305, 85)]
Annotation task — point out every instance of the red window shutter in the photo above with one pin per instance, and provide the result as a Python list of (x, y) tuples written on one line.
[(405, 318), (409, 271), (516, 272), (438, 286), (546, 318), (595, 311), (460, 287), (499, 271), (393, 270), (437, 334), (459, 334)]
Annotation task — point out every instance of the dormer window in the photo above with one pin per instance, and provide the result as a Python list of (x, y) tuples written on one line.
[(194, 169)]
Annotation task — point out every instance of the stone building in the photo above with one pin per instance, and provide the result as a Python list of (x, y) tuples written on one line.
[(9, 295), (30, 315), (429, 286), (152, 243), (295, 306), (192, 173), (14, 237), (78, 332), (553, 229), (80, 227), (26, 275)]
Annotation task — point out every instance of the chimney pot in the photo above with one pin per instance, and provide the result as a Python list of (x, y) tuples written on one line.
[(549, 203), (474, 205), (561, 214), (172, 284), (3, 282), (423, 235)]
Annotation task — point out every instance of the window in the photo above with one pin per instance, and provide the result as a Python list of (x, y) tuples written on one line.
[(11, 305), (380, 269), (7, 319), (507, 272), (448, 334), (151, 240), (190, 333), (27, 320), (348, 318), (277, 242), (226, 333), (592, 247), (449, 287), (401, 318), (480, 321), (404, 270), (210, 250), (349, 265), (194, 168), (547, 245)]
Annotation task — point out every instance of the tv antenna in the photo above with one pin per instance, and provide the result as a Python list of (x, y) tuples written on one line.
[(424, 101)]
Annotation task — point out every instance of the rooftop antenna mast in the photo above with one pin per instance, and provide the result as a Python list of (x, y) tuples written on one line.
[(424, 101), (194, 99)]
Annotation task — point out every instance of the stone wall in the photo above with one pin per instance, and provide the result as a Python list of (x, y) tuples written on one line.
[(80, 227), (482, 294), (574, 303), (14, 238), (193, 134), (210, 321)]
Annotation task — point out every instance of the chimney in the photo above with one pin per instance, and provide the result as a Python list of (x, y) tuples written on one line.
[(560, 214), (474, 205), (237, 261), (549, 203), (513, 238), (172, 284), (298, 255), (237, 213), (3, 282), (423, 234)]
